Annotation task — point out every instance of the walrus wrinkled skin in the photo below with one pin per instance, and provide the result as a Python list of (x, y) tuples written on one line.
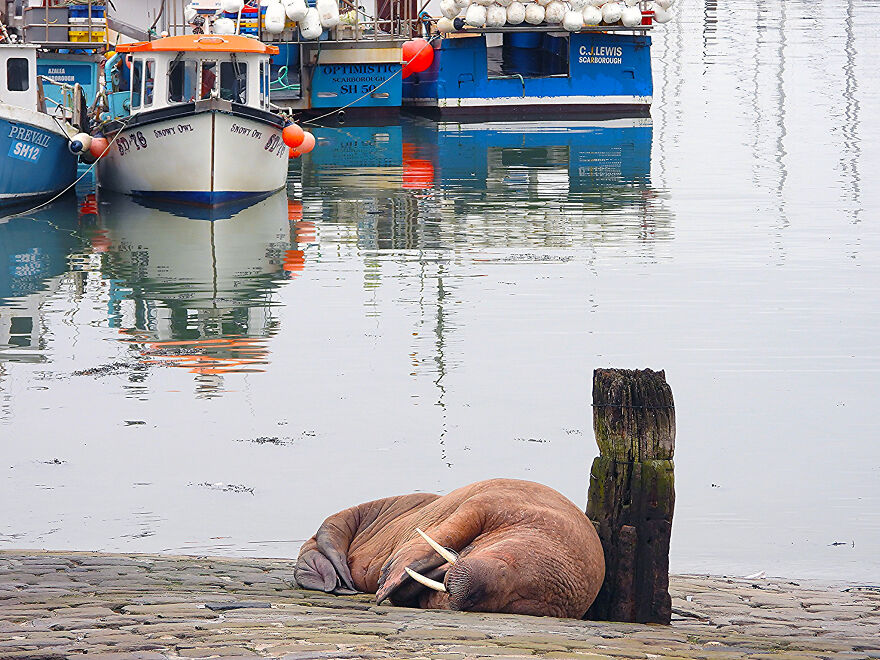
[(519, 547)]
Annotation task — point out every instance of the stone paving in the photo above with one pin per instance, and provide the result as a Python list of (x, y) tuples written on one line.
[(150, 607)]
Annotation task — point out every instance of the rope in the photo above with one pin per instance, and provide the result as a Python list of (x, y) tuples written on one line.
[(80, 178), (388, 79), (282, 74)]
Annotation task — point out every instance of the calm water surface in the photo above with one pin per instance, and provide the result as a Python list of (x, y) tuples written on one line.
[(424, 306)]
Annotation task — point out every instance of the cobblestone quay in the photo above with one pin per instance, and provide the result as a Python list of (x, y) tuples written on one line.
[(149, 607)]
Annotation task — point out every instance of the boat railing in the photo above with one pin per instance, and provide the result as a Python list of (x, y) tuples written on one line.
[(72, 107), (89, 33)]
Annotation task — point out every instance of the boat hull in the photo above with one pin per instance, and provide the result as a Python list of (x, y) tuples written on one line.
[(605, 76), (34, 160), (201, 154)]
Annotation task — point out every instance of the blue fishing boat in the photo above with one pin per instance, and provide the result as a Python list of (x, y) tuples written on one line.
[(600, 72), (35, 160)]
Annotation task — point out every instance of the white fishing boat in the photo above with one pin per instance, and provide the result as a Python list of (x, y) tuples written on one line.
[(195, 124)]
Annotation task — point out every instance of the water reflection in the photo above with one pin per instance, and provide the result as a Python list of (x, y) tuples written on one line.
[(435, 186), (33, 252), (196, 292)]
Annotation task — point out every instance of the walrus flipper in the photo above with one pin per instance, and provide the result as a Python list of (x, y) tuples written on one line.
[(456, 531), (314, 571)]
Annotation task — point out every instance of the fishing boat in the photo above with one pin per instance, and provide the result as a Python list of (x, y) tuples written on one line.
[(517, 72), (195, 124), (35, 161)]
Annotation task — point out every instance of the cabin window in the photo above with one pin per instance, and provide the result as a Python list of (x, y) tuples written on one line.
[(527, 55), (262, 84), (149, 81), (268, 83), (209, 79), (233, 81), (137, 77), (17, 78), (182, 81)]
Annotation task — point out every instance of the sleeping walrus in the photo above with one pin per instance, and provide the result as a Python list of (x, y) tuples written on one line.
[(501, 545)]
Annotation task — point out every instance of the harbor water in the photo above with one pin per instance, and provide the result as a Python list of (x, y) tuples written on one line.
[(424, 305)]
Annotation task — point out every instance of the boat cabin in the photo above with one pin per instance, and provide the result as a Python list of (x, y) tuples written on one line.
[(18, 76), (185, 69)]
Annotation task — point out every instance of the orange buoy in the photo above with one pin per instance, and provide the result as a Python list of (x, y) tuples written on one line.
[(293, 153), (99, 146), (418, 55), (292, 135), (308, 143)]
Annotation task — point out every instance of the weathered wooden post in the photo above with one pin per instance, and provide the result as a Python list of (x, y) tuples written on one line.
[(632, 493)]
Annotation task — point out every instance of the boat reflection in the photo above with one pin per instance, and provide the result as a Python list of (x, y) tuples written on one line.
[(33, 254), (428, 185), (198, 293)]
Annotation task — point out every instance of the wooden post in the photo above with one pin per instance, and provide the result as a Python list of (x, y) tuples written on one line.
[(632, 493)]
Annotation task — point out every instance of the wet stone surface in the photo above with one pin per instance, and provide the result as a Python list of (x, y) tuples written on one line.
[(64, 604)]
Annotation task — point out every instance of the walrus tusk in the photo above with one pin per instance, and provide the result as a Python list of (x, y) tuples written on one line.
[(448, 555), (428, 582)]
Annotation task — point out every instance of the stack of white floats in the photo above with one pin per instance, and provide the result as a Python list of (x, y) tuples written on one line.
[(571, 15), (312, 21)]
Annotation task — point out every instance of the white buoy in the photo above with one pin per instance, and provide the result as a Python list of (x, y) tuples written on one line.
[(496, 16), (231, 6), (598, 3), (632, 3), (275, 18), (611, 13), (554, 12), (592, 15), (475, 16), (662, 15), (224, 26), (310, 25), (328, 12), (544, 3), (80, 143), (631, 16), (573, 21), (577, 5), (445, 25), (462, 4), (485, 3), (516, 13), (664, 4), (448, 9), (189, 13), (505, 3), (296, 9), (534, 14)]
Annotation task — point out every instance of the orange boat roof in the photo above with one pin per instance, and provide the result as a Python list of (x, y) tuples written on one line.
[(201, 43)]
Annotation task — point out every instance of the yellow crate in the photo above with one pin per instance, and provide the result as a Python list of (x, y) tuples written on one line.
[(82, 36)]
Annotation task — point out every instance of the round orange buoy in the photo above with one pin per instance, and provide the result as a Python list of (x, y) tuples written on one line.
[(293, 153), (418, 174), (418, 55), (292, 135), (308, 143), (99, 146)]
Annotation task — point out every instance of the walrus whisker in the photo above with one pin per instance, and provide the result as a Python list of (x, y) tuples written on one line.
[(428, 582), (447, 554)]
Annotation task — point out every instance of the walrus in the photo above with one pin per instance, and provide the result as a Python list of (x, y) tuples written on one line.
[(501, 545)]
